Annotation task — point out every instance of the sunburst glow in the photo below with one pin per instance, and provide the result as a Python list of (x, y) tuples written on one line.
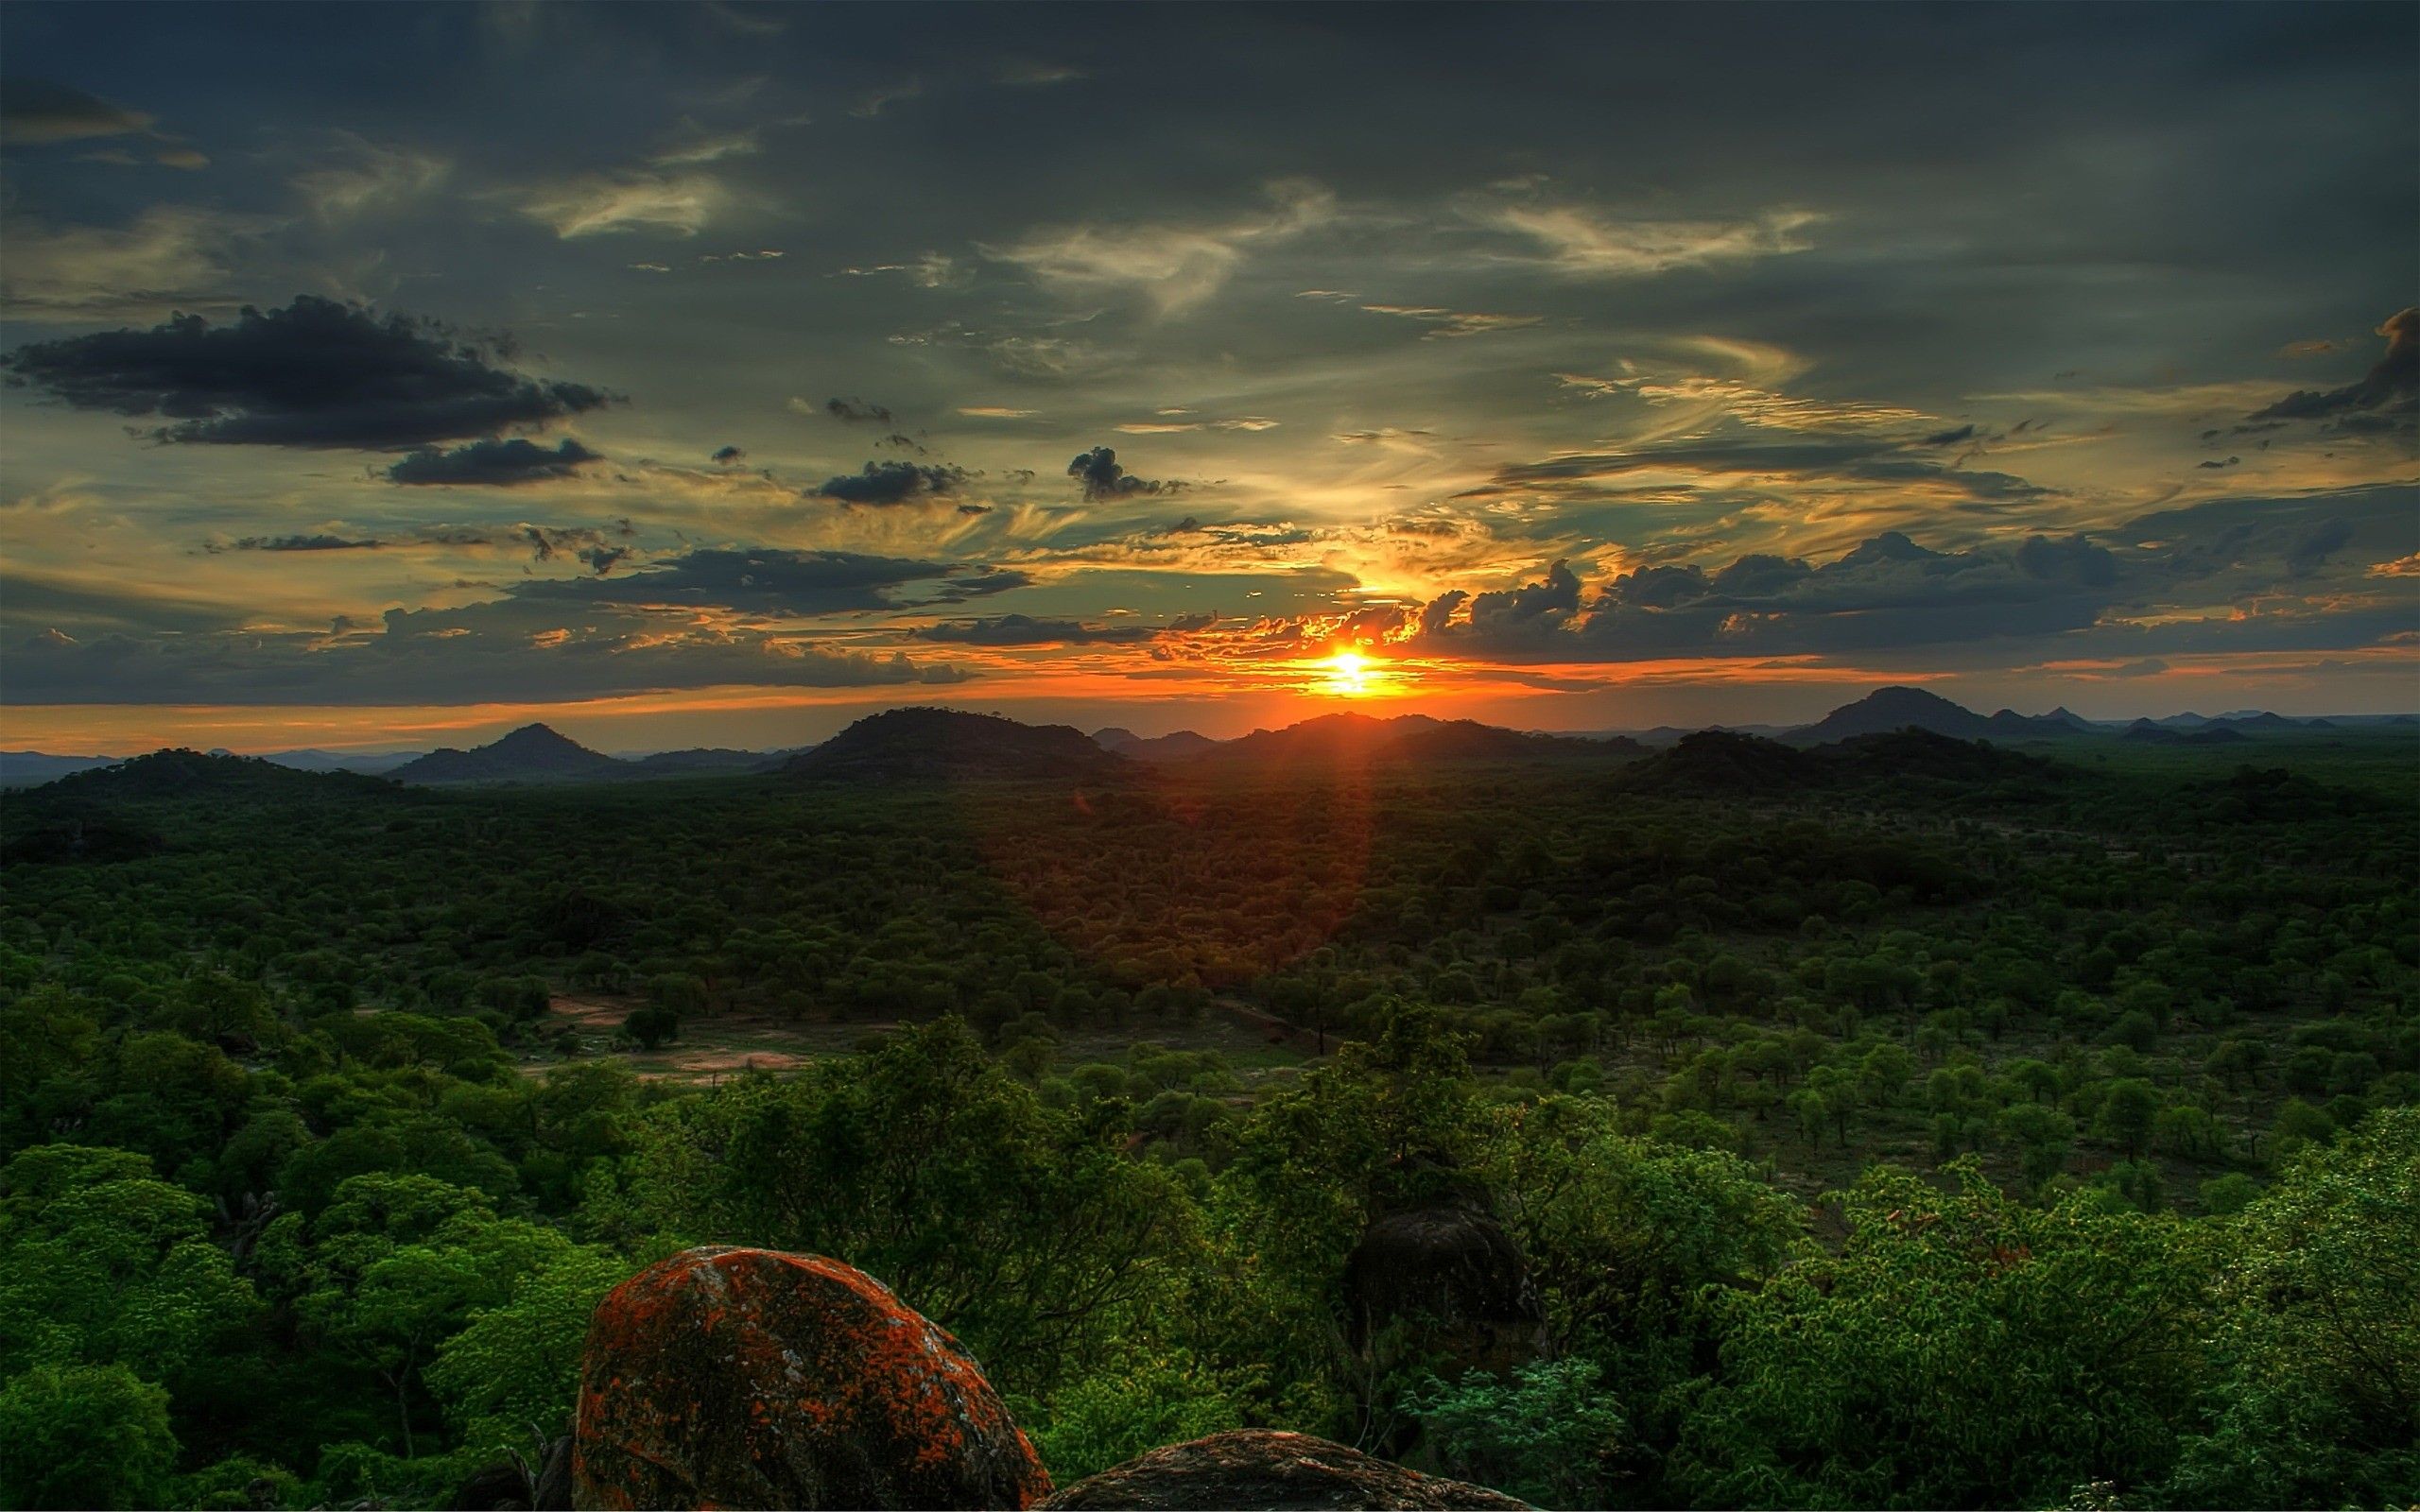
[(1349, 674)]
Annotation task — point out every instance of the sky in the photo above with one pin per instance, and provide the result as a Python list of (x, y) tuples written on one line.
[(383, 376)]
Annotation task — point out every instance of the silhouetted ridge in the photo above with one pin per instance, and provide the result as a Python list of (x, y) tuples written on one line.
[(1718, 761), (1885, 709), (531, 753), (1921, 754), (1175, 745), (182, 773), (948, 743), (1409, 739)]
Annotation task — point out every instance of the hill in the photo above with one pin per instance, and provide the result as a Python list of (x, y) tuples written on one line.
[(1175, 745), (702, 759), (925, 744), (533, 753), (181, 773), (1409, 739), (1898, 708), (1720, 761)]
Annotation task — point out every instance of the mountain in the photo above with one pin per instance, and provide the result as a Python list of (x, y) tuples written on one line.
[(1410, 739), (926, 744), (26, 768), (193, 774), (1173, 747), (1888, 708), (371, 762), (533, 753)]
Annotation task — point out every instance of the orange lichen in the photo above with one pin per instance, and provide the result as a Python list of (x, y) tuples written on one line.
[(763, 1378)]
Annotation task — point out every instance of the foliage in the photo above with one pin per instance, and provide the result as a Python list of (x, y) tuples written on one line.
[(1550, 1436)]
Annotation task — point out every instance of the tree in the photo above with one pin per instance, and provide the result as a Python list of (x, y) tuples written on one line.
[(100, 1262), (2129, 1110), (2317, 1399), (516, 1365), (1962, 1350), (84, 1436), (1549, 1435)]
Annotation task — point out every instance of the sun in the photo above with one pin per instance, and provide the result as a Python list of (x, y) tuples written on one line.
[(1348, 675)]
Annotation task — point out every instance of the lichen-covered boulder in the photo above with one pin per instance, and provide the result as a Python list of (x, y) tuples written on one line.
[(749, 1378), (1253, 1469), (1445, 1283)]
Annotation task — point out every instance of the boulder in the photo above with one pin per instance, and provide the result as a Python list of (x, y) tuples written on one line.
[(1254, 1469), (1446, 1283), (749, 1378)]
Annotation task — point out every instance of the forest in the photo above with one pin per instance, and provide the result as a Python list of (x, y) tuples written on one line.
[(1909, 1122)]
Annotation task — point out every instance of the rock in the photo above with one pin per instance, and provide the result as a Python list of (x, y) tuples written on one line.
[(749, 1378), (554, 1478), (1454, 1280), (1253, 1469), (493, 1488)]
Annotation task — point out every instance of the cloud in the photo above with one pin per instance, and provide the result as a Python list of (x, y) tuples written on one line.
[(693, 146), (992, 412), (1175, 265), (870, 103), (316, 543), (1587, 244), (2386, 399), (1445, 322), (1861, 461), (1019, 630), (169, 258), (39, 112), (315, 374), (1100, 476), (1166, 427), (36, 111), (784, 584), (889, 483), (360, 178), (1027, 74), (851, 412), (520, 649), (601, 204), (493, 463), (728, 456)]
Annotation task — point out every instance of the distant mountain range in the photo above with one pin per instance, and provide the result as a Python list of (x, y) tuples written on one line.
[(1885, 709), (942, 742)]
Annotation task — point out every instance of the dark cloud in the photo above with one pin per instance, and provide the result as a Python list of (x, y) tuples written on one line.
[(317, 373), (1951, 438), (493, 463), (893, 482), (1846, 460), (2387, 397), (321, 542), (726, 455), (1888, 592), (783, 584), (1099, 474), (857, 412), (38, 110), (508, 649), (1020, 629)]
